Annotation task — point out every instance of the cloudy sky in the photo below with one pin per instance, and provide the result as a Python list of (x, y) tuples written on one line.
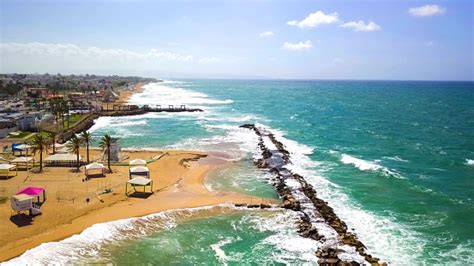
[(422, 40)]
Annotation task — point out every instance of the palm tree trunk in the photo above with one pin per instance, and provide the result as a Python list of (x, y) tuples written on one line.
[(77, 156), (108, 158), (87, 148), (41, 160), (54, 145)]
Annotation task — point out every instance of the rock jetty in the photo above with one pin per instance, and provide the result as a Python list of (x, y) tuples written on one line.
[(298, 195)]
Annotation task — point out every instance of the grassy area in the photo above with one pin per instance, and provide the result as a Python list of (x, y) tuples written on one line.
[(19, 134), (73, 119)]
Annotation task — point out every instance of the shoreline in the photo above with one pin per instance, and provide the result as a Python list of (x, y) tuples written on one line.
[(179, 178)]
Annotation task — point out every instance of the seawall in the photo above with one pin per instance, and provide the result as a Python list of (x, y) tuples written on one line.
[(298, 195)]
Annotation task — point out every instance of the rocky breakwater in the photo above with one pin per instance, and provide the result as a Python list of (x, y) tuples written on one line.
[(336, 246)]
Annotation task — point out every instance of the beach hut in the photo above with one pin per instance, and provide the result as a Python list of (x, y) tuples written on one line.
[(25, 161), (5, 169), (21, 202), (137, 162), (62, 159), (60, 148), (35, 192), (20, 148), (140, 182), (95, 169), (141, 171)]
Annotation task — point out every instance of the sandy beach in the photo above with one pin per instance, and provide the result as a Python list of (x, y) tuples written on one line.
[(124, 95), (178, 183)]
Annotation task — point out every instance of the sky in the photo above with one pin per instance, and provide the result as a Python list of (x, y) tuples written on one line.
[(388, 40)]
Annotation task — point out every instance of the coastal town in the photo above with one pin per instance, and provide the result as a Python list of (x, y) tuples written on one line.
[(33, 103)]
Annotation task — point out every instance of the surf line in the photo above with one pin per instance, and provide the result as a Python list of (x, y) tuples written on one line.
[(298, 195)]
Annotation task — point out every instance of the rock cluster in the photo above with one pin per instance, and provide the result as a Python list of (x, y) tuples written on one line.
[(275, 161)]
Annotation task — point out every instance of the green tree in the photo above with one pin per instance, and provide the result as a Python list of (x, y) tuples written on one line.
[(40, 144), (86, 139), (52, 137), (105, 143), (74, 146)]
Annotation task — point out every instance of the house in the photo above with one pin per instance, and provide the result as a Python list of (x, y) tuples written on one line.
[(27, 121), (6, 127), (37, 93)]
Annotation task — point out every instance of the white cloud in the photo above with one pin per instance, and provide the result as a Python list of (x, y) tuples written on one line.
[(71, 58), (426, 11), (315, 19), (337, 61), (361, 26), (71, 50), (209, 60), (266, 34), (297, 46)]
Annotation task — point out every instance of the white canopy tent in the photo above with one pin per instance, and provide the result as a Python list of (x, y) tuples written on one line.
[(23, 146), (95, 167), (62, 159), (25, 161), (5, 169), (137, 162), (139, 181), (139, 171)]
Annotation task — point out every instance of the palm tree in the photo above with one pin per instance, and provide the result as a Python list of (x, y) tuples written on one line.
[(40, 143), (74, 145), (87, 139), (52, 136), (105, 143)]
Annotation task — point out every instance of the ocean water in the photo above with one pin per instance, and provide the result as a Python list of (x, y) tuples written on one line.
[(395, 159)]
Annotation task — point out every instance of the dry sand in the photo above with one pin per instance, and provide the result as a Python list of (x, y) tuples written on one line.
[(178, 183)]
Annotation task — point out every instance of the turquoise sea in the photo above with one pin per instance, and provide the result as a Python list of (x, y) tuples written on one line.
[(395, 159)]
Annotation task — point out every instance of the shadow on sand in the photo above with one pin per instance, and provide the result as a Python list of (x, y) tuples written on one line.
[(22, 220)]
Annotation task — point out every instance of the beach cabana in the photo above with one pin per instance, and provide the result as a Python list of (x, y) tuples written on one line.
[(62, 159), (20, 148), (25, 161), (141, 171), (21, 202), (5, 169), (140, 182), (60, 148), (35, 192), (94, 169), (137, 162)]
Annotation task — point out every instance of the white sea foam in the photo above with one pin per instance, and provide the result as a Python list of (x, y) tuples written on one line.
[(359, 163), (364, 165), (237, 142), (383, 237), (470, 162), (86, 245), (220, 254), (395, 158), (161, 94)]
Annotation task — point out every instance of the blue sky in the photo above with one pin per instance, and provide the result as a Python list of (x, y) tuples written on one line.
[(426, 40)]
